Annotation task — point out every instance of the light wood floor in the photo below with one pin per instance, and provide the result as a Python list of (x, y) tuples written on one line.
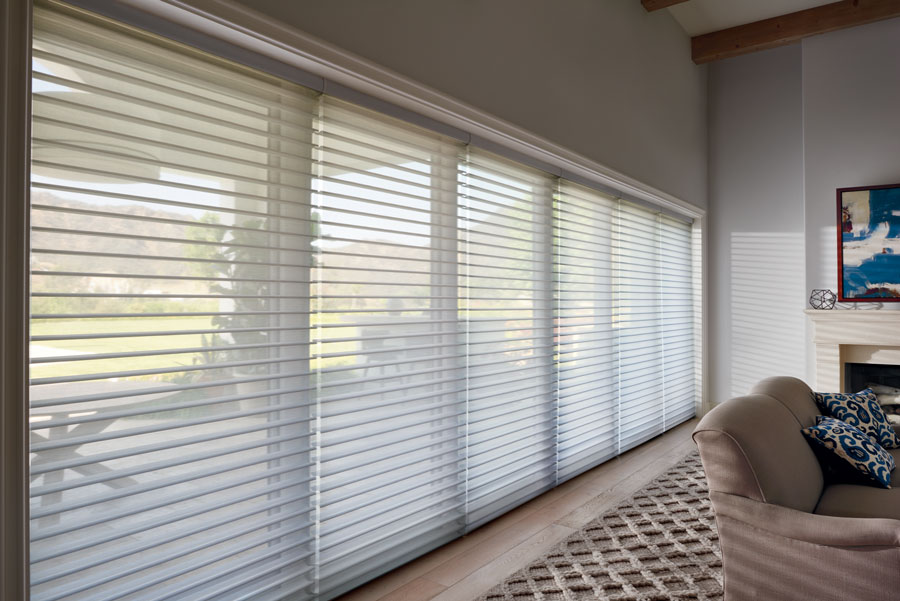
[(467, 567)]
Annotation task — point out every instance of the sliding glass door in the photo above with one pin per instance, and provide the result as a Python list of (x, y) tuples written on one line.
[(388, 352), (281, 344), (587, 335), (172, 408), (506, 310)]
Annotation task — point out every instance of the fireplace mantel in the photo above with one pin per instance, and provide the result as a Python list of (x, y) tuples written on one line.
[(852, 336)]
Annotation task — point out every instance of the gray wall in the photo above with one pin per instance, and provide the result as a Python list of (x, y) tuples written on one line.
[(756, 220), (601, 77), (851, 116), (788, 127)]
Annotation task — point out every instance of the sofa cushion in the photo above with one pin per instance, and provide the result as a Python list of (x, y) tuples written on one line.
[(854, 501), (860, 409), (853, 446), (793, 394)]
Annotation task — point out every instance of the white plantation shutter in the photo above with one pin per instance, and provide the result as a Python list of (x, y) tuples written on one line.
[(172, 440), (587, 340), (387, 343), (282, 344), (506, 304)]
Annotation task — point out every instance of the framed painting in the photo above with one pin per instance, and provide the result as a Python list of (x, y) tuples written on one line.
[(869, 243)]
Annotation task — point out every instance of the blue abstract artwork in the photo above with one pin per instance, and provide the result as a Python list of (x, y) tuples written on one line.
[(869, 253)]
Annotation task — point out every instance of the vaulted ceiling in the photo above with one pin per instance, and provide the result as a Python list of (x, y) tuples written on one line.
[(724, 28), (703, 16)]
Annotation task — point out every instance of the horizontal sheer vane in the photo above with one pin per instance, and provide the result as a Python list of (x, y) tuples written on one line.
[(281, 344)]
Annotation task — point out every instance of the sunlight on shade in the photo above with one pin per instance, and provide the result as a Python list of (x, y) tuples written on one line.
[(768, 335)]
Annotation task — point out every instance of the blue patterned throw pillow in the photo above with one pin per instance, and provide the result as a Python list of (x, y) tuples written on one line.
[(860, 409), (854, 447)]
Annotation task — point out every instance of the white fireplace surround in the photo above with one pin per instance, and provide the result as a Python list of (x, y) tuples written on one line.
[(847, 336)]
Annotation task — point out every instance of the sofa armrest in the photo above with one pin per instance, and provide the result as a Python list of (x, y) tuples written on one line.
[(808, 527)]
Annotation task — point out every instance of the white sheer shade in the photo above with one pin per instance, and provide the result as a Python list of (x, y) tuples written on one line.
[(388, 352), (506, 306), (587, 337), (281, 344), (172, 440)]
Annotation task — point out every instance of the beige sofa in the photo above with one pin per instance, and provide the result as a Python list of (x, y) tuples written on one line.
[(785, 533)]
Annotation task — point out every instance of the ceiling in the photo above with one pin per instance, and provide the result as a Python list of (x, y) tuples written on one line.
[(703, 16)]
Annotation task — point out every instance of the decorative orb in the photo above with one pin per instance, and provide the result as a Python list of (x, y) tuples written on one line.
[(822, 299)]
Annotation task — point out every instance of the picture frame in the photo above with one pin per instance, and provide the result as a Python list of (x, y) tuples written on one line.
[(868, 240)]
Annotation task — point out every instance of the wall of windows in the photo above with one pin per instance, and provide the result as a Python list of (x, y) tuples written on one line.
[(281, 344)]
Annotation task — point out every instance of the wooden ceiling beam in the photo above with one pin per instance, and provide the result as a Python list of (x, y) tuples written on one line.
[(652, 5), (778, 31)]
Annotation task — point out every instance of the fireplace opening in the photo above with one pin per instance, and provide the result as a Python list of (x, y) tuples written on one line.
[(884, 380)]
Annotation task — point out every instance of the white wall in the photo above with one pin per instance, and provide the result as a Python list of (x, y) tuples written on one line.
[(756, 220), (601, 77), (788, 127)]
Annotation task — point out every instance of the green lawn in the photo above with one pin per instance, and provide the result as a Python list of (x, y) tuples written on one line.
[(92, 346)]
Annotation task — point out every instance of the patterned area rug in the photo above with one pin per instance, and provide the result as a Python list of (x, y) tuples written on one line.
[(659, 545)]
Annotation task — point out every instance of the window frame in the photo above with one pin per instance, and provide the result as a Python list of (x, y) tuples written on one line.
[(15, 135)]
